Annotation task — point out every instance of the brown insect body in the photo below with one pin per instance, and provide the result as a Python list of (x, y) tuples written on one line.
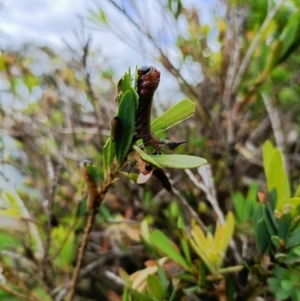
[(147, 82)]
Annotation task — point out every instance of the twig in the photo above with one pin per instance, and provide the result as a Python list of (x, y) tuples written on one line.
[(123, 221), (46, 262), (17, 294), (229, 99), (186, 205), (61, 291), (95, 198), (277, 128), (209, 191), (254, 45)]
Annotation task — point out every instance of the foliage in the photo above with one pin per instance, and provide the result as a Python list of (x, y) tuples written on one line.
[(228, 230)]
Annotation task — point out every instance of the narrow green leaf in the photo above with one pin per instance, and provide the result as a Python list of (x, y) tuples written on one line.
[(163, 278), (177, 113), (124, 84), (269, 222), (137, 296), (268, 149), (124, 276), (276, 178), (63, 240), (275, 241), (109, 153), (126, 124), (232, 269), (290, 36), (239, 204), (258, 214), (297, 193), (294, 239), (146, 157), (178, 161), (155, 288), (81, 210), (262, 236), (283, 225), (126, 295), (252, 198), (186, 249), (295, 202), (160, 241)]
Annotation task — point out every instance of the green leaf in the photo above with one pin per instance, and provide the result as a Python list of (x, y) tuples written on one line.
[(186, 250), (124, 276), (126, 295), (81, 210), (294, 239), (155, 288), (269, 221), (281, 294), (124, 84), (276, 178), (268, 149), (283, 225), (126, 124), (290, 36), (239, 204), (94, 174), (137, 296), (8, 240), (251, 199), (109, 153), (178, 161), (63, 240), (160, 241), (262, 236), (258, 214), (276, 241), (297, 193), (295, 202), (146, 157), (177, 113)]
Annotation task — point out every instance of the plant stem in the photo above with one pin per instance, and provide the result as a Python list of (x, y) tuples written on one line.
[(95, 198), (18, 295)]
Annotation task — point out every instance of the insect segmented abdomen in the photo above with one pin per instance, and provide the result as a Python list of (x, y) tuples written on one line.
[(147, 83)]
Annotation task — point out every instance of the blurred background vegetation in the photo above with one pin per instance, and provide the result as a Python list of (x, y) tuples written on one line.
[(242, 71)]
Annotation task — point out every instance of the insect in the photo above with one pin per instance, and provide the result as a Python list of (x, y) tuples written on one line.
[(148, 79)]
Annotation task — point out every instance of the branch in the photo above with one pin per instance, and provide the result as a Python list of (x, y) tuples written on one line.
[(17, 294), (209, 191), (54, 177), (277, 128), (95, 198)]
